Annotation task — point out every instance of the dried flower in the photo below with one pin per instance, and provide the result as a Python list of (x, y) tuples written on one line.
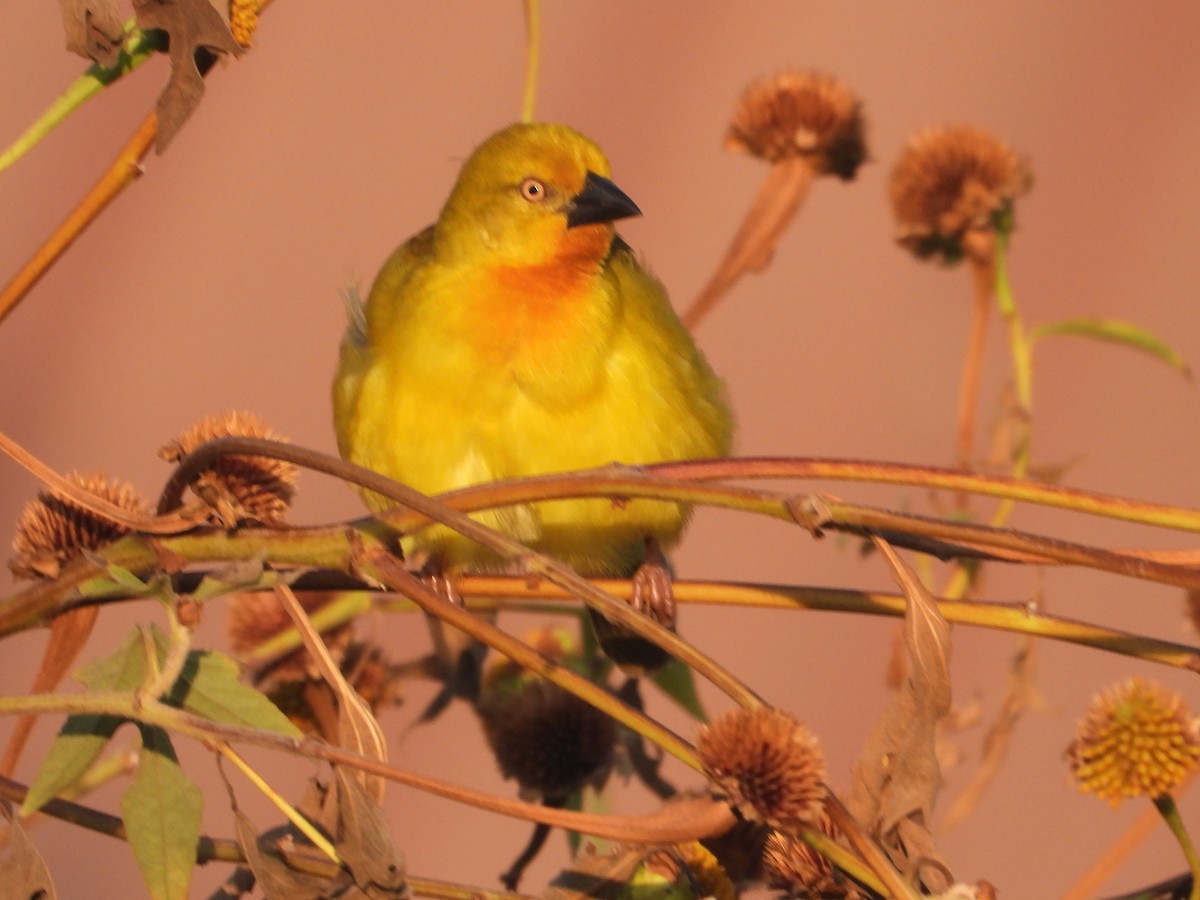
[(243, 19), (239, 489), (53, 529), (805, 125), (309, 702), (949, 182), (770, 765), (801, 114), (800, 870), (257, 616), (1138, 740), (548, 740)]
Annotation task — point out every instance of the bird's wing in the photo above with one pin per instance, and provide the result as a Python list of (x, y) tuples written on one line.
[(355, 355)]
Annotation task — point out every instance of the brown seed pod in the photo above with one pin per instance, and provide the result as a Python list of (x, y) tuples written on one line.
[(801, 114), (53, 530), (238, 489), (769, 764), (949, 182)]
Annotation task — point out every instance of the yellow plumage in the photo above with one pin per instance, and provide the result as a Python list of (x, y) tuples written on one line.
[(518, 336)]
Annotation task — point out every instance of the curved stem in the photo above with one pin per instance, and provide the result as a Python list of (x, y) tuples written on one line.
[(968, 390)]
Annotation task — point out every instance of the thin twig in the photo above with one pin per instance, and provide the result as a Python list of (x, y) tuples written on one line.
[(123, 171)]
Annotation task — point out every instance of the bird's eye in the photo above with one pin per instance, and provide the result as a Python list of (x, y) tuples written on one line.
[(533, 190)]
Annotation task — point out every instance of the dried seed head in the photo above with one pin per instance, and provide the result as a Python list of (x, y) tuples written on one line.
[(243, 19), (548, 740), (1138, 740), (949, 182), (239, 489), (257, 616), (793, 866), (53, 530), (801, 114), (309, 702), (770, 765)]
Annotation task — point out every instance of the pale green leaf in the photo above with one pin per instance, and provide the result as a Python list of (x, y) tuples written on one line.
[(119, 579), (80, 741), (1117, 332), (124, 669), (209, 687), (162, 809)]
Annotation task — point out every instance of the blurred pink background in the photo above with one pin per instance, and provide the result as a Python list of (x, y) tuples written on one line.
[(213, 284)]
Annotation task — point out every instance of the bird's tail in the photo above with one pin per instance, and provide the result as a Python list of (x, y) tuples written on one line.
[(356, 315)]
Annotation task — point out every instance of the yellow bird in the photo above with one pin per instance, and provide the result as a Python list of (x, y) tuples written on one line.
[(520, 336)]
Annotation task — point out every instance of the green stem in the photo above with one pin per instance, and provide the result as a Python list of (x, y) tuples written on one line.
[(1022, 360), (139, 47), (1170, 813)]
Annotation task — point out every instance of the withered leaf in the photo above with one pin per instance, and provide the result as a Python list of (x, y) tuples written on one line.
[(196, 33), (93, 29), (23, 872), (365, 841), (275, 878), (358, 729), (896, 779)]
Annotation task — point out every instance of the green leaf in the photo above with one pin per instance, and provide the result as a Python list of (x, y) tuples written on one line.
[(161, 809), (80, 741), (208, 686), (119, 580), (124, 669), (1117, 332), (677, 682)]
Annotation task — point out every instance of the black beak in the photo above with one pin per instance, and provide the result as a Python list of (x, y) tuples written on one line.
[(599, 201)]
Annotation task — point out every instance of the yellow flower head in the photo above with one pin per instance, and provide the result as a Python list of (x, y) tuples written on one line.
[(1138, 740)]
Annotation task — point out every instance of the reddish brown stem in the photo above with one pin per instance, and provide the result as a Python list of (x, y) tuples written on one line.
[(123, 171)]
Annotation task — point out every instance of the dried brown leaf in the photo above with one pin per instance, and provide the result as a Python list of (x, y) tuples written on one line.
[(68, 635), (23, 872), (274, 877), (93, 29), (358, 729), (364, 840), (896, 779), (197, 33)]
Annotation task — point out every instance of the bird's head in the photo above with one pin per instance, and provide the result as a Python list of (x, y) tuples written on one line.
[(532, 194)]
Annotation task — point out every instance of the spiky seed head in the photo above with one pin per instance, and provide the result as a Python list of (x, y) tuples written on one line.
[(239, 489), (1137, 740), (801, 114), (950, 182), (769, 764), (54, 530)]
